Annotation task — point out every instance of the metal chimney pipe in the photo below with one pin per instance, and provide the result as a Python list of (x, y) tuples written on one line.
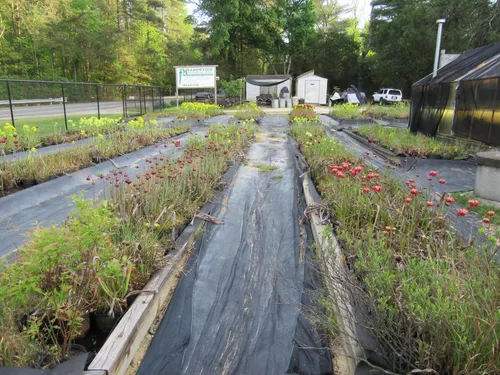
[(438, 46)]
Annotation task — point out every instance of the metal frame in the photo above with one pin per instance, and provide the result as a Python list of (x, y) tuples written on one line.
[(142, 89)]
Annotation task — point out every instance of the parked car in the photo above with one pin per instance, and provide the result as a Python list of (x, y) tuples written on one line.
[(203, 95), (386, 96)]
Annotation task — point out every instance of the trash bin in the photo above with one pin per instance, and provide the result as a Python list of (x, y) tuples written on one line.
[(282, 103), (302, 101)]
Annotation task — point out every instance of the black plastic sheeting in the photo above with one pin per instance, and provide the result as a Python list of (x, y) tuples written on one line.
[(237, 307), (477, 112), (74, 366), (263, 83), (50, 202), (476, 75)]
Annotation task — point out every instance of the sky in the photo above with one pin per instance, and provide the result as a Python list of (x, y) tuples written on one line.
[(363, 9)]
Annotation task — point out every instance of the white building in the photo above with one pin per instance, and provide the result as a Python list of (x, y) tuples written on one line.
[(312, 88), (266, 84)]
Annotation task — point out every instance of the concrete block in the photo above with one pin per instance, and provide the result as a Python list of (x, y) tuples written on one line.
[(488, 175)]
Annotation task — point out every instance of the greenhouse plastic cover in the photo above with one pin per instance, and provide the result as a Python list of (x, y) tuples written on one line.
[(460, 67)]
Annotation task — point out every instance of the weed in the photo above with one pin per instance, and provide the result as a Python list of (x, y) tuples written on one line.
[(265, 168)]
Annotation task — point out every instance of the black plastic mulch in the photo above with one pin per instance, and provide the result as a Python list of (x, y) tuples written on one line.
[(237, 308)]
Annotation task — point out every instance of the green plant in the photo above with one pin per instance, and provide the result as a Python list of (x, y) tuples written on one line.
[(432, 298), (233, 87), (265, 168), (403, 142), (114, 280)]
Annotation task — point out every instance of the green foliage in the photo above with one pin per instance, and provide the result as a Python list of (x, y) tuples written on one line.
[(403, 142), (432, 298), (233, 87), (99, 41)]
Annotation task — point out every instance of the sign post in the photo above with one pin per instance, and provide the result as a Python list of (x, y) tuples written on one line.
[(195, 77)]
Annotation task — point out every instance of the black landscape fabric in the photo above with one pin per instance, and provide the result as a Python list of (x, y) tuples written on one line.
[(238, 306)]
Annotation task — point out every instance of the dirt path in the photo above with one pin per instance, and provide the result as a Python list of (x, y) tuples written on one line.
[(237, 308)]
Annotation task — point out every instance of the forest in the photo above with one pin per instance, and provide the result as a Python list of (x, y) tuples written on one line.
[(139, 41)]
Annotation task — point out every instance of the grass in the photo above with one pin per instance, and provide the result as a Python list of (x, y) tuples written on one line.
[(400, 111), (266, 168), (427, 296), (17, 174), (55, 124), (279, 177), (403, 142), (106, 249)]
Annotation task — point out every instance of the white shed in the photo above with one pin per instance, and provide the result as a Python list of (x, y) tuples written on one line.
[(312, 88), (266, 84)]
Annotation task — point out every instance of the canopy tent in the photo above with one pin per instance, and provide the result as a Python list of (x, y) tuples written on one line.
[(462, 99), (258, 86)]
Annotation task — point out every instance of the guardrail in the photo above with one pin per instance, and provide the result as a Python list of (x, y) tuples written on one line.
[(33, 101)]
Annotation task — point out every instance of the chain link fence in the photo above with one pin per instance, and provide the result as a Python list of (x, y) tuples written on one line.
[(54, 104)]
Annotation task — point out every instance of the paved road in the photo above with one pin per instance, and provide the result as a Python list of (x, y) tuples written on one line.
[(106, 108)]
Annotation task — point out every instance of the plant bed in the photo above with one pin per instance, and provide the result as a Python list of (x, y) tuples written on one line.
[(193, 110), (20, 174), (30, 138), (348, 111), (427, 297), (404, 143), (107, 249), (303, 112), (248, 111), (487, 213)]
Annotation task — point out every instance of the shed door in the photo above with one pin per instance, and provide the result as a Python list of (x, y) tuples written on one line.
[(312, 91)]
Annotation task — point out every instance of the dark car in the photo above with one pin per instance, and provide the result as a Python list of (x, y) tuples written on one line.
[(203, 95)]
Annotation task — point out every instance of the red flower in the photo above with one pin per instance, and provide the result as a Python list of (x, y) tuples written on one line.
[(340, 175), (408, 200), (430, 204), (358, 169), (449, 200), (414, 191), (177, 143), (194, 169), (377, 189), (442, 181), (88, 178), (486, 220), (335, 170), (225, 152), (473, 203), (490, 213), (366, 190), (433, 173), (411, 180), (462, 212), (430, 178)]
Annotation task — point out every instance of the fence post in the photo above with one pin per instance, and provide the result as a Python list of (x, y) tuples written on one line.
[(64, 106), (10, 104), (97, 96), (153, 99), (140, 99), (124, 100)]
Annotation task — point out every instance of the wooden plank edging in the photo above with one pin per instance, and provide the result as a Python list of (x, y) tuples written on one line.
[(331, 261)]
